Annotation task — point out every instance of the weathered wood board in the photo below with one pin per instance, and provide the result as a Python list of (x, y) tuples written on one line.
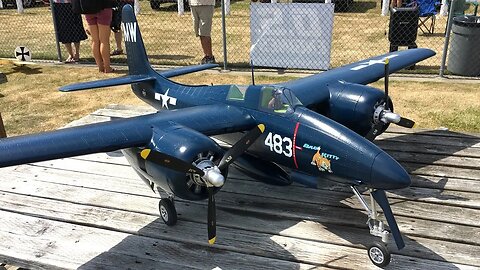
[(94, 212)]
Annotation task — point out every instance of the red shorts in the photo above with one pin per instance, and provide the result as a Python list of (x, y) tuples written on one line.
[(103, 17)]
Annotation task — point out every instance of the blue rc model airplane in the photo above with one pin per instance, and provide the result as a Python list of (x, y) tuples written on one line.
[(306, 130)]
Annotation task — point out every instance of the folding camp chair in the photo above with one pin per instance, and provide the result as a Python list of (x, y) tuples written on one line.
[(427, 11)]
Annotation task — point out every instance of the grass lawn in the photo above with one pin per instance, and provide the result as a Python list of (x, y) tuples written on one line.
[(169, 38), (30, 100)]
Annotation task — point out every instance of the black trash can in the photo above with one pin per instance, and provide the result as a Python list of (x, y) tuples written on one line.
[(403, 27), (464, 53)]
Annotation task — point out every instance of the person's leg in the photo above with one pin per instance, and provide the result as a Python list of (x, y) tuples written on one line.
[(195, 19), (77, 51), (104, 36), (195, 10), (94, 33), (68, 46), (104, 21), (206, 42), (118, 41), (204, 30), (117, 29)]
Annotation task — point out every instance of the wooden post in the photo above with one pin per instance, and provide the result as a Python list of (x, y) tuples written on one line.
[(3, 134)]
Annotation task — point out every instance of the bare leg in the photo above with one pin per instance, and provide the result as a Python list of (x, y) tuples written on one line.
[(77, 51), (68, 46), (118, 40), (104, 36), (396, 3), (206, 42), (94, 32)]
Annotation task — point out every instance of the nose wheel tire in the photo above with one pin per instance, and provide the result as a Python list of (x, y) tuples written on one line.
[(379, 254), (167, 212)]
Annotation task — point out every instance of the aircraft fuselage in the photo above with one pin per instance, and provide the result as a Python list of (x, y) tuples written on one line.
[(299, 139)]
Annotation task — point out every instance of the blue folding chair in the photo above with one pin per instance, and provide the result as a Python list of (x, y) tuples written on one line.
[(427, 11)]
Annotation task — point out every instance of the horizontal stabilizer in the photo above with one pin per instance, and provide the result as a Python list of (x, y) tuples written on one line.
[(108, 82), (186, 70)]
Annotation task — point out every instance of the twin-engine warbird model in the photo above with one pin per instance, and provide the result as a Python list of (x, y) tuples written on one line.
[(306, 130)]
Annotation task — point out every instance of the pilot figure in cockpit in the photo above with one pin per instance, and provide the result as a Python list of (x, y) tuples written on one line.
[(276, 101)]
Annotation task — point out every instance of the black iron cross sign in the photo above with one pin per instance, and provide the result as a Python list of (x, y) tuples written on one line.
[(22, 53)]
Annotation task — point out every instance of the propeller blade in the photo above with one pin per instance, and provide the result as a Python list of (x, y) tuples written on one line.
[(241, 146), (170, 162), (211, 218), (374, 131), (382, 200), (387, 73), (405, 122)]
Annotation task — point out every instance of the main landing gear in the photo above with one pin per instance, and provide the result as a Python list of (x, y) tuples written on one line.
[(377, 251), (168, 211)]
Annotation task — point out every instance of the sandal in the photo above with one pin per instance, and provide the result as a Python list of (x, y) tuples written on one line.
[(109, 71), (70, 60), (116, 52)]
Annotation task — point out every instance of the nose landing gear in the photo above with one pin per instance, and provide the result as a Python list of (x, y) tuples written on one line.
[(377, 251)]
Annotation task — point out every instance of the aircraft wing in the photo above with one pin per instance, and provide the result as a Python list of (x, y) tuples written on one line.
[(362, 72), (119, 134)]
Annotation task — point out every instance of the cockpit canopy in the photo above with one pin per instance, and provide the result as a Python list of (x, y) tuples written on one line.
[(272, 98), (279, 99)]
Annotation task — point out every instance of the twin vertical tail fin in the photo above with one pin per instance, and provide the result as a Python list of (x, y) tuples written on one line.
[(137, 59), (139, 68)]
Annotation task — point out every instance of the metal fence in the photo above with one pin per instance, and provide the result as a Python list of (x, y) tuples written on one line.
[(307, 35)]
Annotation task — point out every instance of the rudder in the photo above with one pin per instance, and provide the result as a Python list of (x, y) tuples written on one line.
[(136, 55)]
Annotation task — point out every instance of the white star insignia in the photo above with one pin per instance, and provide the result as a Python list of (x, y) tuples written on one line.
[(166, 99), (373, 62)]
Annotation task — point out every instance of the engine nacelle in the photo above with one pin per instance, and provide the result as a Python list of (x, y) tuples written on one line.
[(185, 144), (352, 105)]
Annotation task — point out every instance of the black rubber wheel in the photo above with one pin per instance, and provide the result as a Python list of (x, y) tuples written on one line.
[(167, 212), (379, 254)]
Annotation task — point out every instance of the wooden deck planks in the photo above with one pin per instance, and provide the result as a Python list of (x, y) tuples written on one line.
[(99, 201), (112, 184)]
